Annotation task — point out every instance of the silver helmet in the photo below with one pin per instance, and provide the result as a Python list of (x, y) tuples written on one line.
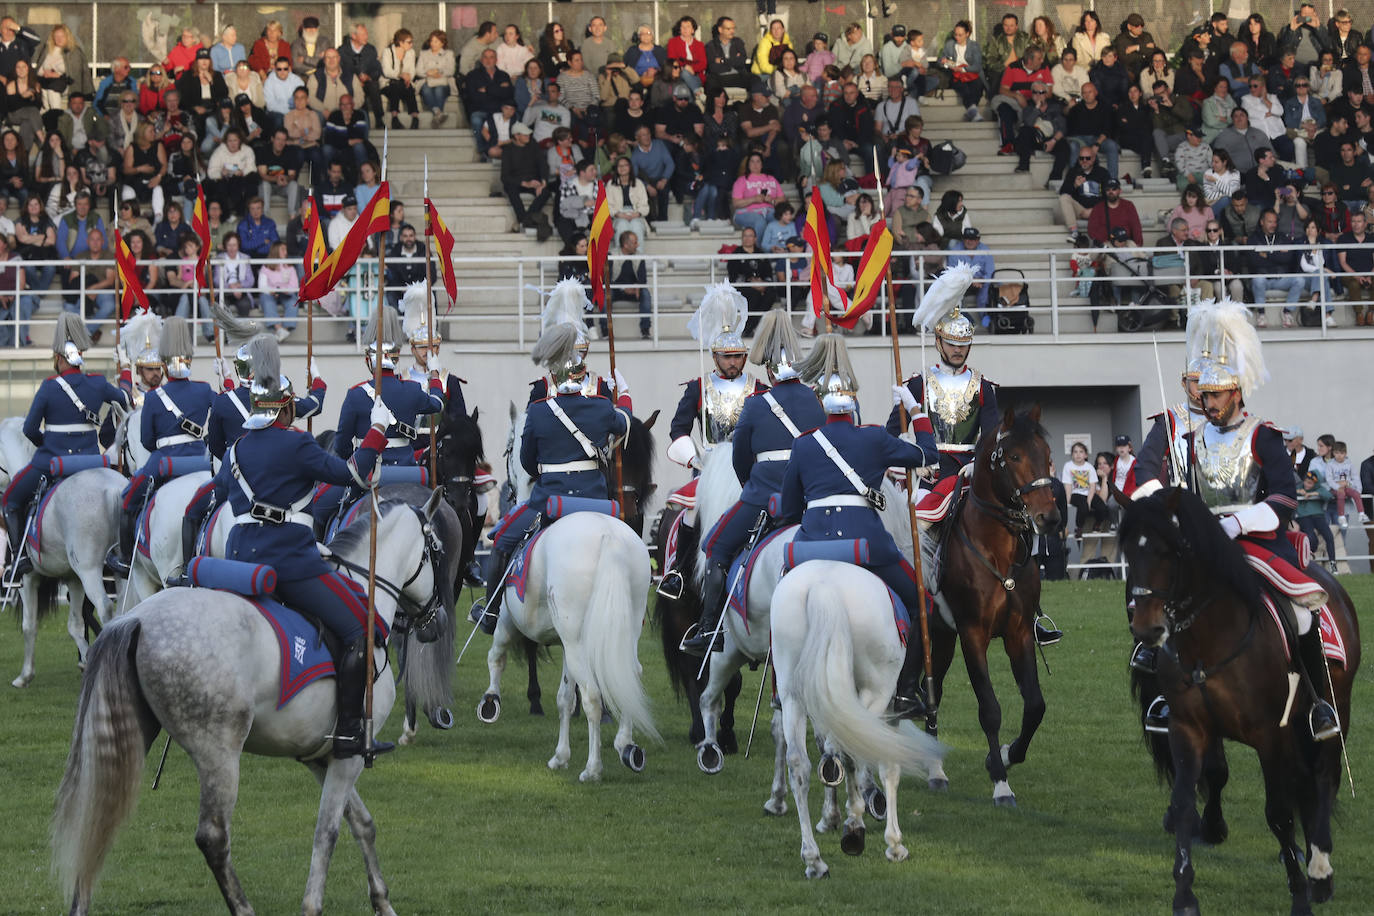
[(776, 346), (416, 321), (939, 308), (237, 333), (70, 338), (556, 350), (385, 323), (141, 334), (1237, 359), (567, 304), (828, 370), (175, 347), (718, 320), (271, 391)]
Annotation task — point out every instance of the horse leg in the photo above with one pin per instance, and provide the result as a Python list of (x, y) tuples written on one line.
[(891, 774), (28, 596), (693, 687), (777, 794), (726, 737), (852, 840), (567, 698), (1279, 804), (489, 709), (709, 757), (799, 768), (591, 708), (975, 648), (1187, 749), (339, 779), (219, 789), (408, 724), (364, 830), (1216, 772), (830, 795), (76, 626), (941, 657), (532, 692), (1023, 669)]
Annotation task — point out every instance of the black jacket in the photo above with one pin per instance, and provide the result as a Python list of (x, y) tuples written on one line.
[(361, 63)]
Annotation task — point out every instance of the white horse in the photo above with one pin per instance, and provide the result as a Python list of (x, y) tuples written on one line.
[(16, 451), (79, 525), (205, 666), (148, 574), (837, 656), (127, 448), (587, 584)]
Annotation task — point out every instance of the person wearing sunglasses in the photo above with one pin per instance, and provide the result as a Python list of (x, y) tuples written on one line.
[(277, 89), (1303, 116), (1042, 127), (1082, 189)]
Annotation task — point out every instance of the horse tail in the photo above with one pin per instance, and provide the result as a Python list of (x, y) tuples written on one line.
[(114, 729), (610, 640), (825, 675), (1145, 687)]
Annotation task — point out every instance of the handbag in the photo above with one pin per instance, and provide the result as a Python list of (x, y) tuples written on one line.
[(964, 76), (59, 83)]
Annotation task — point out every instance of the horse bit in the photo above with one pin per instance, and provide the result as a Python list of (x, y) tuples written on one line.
[(1015, 516)]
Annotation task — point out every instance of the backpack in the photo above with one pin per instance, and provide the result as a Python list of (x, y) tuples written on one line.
[(946, 158)]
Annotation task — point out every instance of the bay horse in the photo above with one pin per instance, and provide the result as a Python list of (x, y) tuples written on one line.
[(1222, 666), (989, 585)]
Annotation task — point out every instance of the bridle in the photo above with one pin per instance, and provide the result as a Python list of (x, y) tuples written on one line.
[(1010, 512), (410, 614)]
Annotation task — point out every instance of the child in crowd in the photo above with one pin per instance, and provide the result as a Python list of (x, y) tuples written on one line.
[(1078, 477), (1313, 495), (1340, 477)]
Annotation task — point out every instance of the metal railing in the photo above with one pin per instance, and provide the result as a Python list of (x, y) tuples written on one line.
[(504, 294)]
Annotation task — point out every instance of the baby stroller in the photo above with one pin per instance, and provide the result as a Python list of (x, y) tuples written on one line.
[(1010, 312), (1134, 285)]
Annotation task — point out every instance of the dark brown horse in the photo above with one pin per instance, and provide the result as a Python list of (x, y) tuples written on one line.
[(1222, 667), (990, 584)]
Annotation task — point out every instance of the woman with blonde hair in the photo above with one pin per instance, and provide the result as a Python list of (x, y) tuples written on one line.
[(268, 48), (436, 64), (398, 78), (60, 66)]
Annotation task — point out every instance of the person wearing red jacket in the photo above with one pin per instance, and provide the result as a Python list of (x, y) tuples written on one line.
[(1123, 480)]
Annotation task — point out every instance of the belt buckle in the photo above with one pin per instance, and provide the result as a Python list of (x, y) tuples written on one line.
[(405, 430), (264, 513), (876, 498), (192, 428)]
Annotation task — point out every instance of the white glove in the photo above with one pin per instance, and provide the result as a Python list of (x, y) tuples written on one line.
[(683, 451), (967, 470), (1231, 526), (314, 369), (434, 366), (224, 370), (902, 397), (122, 360), (381, 415)]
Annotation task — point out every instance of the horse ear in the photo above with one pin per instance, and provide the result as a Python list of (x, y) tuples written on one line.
[(1035, 413), (473, 416), (432, 504), (513, 412), (1008, 419), (649, 423), (1173, 499)]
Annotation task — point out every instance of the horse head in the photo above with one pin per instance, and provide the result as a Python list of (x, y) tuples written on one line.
[(636, 472), (1017, 468), (459, 449)]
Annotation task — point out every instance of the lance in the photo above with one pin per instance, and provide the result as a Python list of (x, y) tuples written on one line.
[(310, 312), (372, 495), (195, 306), (429, 329), (614, 385), (910, 507)]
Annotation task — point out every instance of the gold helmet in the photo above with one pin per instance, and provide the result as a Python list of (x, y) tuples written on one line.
[(718, 320), (142, 333), (1237, 360), (416, 320), (939, 308)]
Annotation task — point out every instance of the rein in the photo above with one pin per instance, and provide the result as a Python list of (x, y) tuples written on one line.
[(417, 615), (1010, 514)]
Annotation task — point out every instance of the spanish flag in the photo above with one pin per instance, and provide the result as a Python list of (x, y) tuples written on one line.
[(443, 247), (869, 276), (817, 236), (599, 239), (374, 219), (315, 249), (131, 290), (200, 227)]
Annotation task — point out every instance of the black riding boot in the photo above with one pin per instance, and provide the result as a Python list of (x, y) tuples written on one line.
[(1322, 718), (20, 565), (1046, 634), (190, 527), (486, 611), (121, 555), (1145, 658), (351, 680), (671, 584), (908, 702), (713, 596)]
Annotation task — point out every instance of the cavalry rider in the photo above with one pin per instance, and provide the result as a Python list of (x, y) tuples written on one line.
[(231, 408), (424, 348), (1164, 454), (173, 426), (832, 486), (567, 304), (267, 478), (406, 400), (63, 420), (1242, 471), (563, 447), (761, 446), (715, 400), (140, 337)]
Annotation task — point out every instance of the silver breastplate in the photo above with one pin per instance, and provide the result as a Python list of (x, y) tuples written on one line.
[(950, 400), (1227, 475), (722, 401)]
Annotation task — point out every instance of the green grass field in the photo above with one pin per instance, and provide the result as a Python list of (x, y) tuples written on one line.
[(471, 820)]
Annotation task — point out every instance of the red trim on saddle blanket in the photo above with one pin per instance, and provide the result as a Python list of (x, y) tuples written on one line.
[(1302, 545), (142, 536), (670, 545), (934, 506), (1277, 571), (311, 657), (741, 589), (520, 570), (1333, 646), (685, 495), (36, 535)]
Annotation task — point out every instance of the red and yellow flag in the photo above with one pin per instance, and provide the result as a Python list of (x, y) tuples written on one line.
[(315, 248), (869, 277), (375, 218), (599, 238), (817, 236), (200, 227), (131, 290), (443, 246)]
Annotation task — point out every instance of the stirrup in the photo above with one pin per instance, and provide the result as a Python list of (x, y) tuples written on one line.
[(1144, 658), (909, 707), (116, 564), (697, 642), (671, 585), (180, 580), (1047, 635), (1157, 716), (1331, 727), (483, 618)]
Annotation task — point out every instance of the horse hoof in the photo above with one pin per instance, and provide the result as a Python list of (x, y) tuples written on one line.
[(536, 708), (1188, 911), (829, 770), (729, 744), (709, 759), (775, 807), (1214, 834), (852, 842), (897, 853), (876, 800), (441, 718), (633, 757), (557, 763), (938, 784), (588, 776), (406, 739), (1322, 890), (819, 870), (1002, 796), (489, 710), (21, 681)]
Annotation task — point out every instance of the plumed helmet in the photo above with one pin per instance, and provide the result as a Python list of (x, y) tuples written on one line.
[(567, 304), (1237, 360), (175, 347), (385, 324), (939, 308), (828, 370), (70, 338), (718, 320), (556, 350), (237, 333), (142, 333), (271, 391), (776, 345), (416, 321)]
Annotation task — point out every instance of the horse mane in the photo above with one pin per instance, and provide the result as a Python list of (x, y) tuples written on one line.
[(1023, 427), (639, 450), (1187, 527), (351, 537), (466, 431)]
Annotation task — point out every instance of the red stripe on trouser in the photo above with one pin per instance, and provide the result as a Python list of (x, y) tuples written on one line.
[(505, 523), (134, 489), (348, 594), (10, 489), (719, 527)]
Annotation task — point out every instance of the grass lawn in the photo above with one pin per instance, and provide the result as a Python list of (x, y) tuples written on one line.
[(471, 820)]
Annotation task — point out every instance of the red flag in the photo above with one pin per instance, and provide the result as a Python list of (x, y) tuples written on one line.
[(817, 235), (200, 227), (375, 218), (869, 277), (315, 248), (443, 246), (599, 239), (131, 290)]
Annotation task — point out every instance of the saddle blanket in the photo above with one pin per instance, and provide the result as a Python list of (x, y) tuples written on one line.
[(35, 538), (1333, 646), (304, 657), (518, 577), (685, 495), (936, 503), (739, 593), (670, 545), (1281, 574), (142, 537)]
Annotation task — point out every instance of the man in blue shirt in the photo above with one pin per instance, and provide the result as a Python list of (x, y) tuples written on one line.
[(256, 231), (972, 251), (654, 166)]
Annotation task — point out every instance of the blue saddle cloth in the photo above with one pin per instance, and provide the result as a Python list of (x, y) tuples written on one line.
[(520, 566), (304, 657), (35, 538), (740, 592)]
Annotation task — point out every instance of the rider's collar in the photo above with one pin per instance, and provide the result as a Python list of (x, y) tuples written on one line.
[(839, 418), (71, 370)]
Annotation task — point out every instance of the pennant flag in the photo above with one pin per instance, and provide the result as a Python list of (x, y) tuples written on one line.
[(873, 267), (131, 290), (599, 246), (443, 246), (375, 218), (817, 236), (200, 227), (315, 249)]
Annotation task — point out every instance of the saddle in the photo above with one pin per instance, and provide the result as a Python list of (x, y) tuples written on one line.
[(59, 469), (352, 502), (846, 551)]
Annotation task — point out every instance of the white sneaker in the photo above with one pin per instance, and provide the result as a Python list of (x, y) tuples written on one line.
[(696, 225), (1328, 320), (1260, 320), (1344, 523), (282, 333), (1364, 519)]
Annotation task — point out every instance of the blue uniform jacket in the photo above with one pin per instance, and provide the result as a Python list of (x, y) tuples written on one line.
[(406, 400), (689, 408), (52, 407), (282, 466), (547, 441), (759, 430), (811, 475), (231, 408), (160, 425)]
